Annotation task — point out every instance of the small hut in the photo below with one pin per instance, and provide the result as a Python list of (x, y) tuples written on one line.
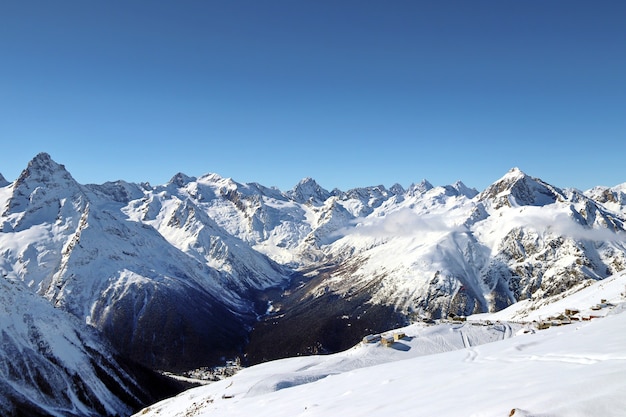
[(544, 325), (371, 338), (387, 341), (398, 336)]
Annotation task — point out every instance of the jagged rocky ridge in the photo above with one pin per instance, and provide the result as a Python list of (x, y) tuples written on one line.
[(176, 276)]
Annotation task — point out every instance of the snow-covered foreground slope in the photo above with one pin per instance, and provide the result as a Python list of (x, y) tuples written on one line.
[(443, 370)]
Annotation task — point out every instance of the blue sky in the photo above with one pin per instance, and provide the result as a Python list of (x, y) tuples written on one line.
[(351, 93)]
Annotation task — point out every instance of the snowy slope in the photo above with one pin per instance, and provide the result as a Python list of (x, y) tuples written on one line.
[(51, 364), (443, 370), (586, 298)]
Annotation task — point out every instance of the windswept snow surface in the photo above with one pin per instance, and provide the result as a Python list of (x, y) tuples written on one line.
[(442, 370)]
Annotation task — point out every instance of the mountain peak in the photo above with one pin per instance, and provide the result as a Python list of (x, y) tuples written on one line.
[(306, 180), (44, 170), (614, 197), (516, 188), (308, 190), (42, 159), (42, 182), (3, 181), (464, 189), (214, 178), (397, 189), (421, 188), (180, 179), (514, 172)]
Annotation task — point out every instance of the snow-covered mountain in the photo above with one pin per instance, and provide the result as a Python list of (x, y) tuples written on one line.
[(479, 368), (442, 252), (82, 250), (614, 198), (437, 251), (52, 364), (181, 275)]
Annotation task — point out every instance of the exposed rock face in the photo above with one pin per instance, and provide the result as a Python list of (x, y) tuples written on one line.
[(518, 189), (308, 191)]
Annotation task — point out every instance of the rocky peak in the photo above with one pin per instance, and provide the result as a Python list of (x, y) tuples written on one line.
[(366, 193), (458, 189), (180, 180), (516, 188), (397, 189), (43, 170), (43, 183), (421, 188), (464, 189), (307, 190), (3, 182)]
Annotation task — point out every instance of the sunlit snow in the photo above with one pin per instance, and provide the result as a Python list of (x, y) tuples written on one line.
[(453, 369)]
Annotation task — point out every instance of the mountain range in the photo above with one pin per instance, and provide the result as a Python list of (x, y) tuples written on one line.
[(198, 270)]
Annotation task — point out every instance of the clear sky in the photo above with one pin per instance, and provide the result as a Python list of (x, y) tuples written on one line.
[(351, 93)]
